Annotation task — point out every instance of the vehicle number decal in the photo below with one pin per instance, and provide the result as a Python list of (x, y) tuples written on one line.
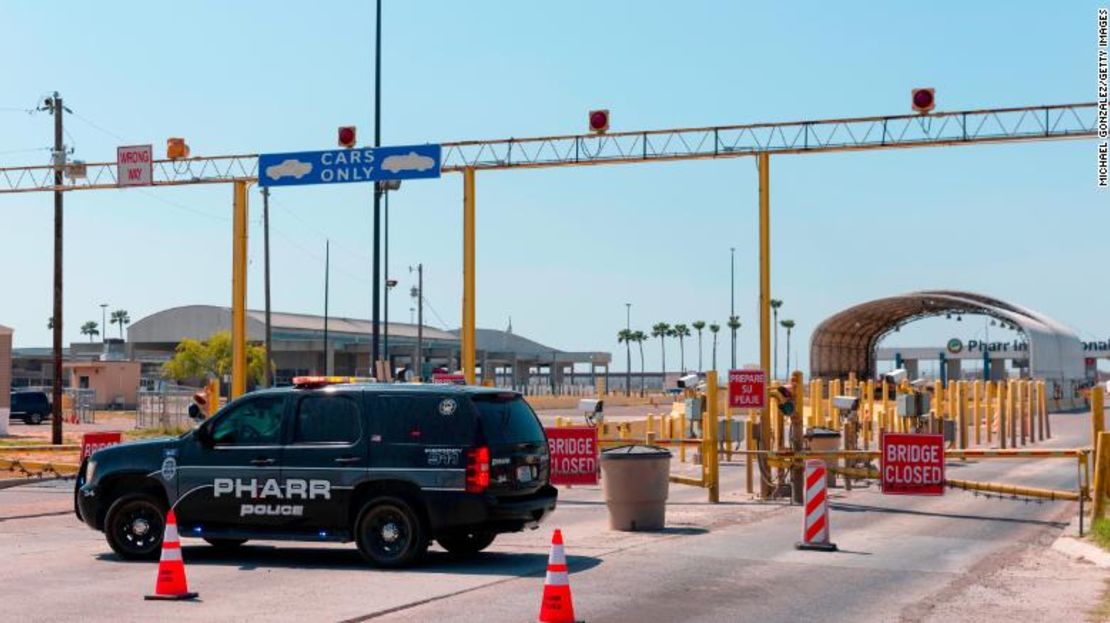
[(443, 457)]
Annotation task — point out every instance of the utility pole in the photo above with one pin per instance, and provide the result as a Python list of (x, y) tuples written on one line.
[(269, 376), (418, 360), (732, 300), (327, 274), (375, 347), (54, 105), (385, 311)]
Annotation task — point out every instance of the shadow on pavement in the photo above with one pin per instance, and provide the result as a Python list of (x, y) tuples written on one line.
[(859, 508), (251, 557)]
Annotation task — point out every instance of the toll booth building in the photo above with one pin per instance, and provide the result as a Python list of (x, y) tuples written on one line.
[(298, 347)]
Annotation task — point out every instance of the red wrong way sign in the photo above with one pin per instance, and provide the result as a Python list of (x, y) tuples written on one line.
[(91, 442), (134, 165), (573, 453), (746, 388), (912, 464)]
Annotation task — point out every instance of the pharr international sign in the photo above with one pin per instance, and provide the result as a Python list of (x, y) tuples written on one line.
[(134, 165)]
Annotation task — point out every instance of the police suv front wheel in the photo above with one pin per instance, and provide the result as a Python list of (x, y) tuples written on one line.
[(390, 534), (134, 526)]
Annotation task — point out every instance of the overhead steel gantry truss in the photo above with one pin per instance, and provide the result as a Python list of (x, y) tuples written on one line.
[(996, 125), (761, 140)]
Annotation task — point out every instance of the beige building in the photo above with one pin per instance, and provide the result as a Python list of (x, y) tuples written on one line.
[(116, 383)]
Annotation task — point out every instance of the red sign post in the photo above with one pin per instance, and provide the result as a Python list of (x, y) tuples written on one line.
[(912, 464), (91, 442), (573, 455), (746, 389)]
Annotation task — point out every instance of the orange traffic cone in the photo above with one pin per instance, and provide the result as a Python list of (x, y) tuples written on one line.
[(557, 605), (171, 583)]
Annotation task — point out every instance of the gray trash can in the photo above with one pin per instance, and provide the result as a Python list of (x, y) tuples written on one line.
[(635, 480)]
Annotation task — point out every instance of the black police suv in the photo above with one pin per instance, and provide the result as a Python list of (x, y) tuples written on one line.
[(390, 467)]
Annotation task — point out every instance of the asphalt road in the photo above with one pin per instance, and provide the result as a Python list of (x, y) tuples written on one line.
[(956, 557)]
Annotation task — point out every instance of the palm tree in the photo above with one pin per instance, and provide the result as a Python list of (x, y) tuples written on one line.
[(734, 326), (640, 337), (661, 330), (775, 305), (121, 318), (698, 326), (682, 332), (626, 337), (714, 328), (788, 325), (90, 329)]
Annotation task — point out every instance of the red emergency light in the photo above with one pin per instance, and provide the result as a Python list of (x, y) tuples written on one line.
[(347, 136), (599, 121), (924, 100)]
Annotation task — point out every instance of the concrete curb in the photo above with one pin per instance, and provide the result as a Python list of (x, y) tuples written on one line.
[(15, 482), (1072, 546)]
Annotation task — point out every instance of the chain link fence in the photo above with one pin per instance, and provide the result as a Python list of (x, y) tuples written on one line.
[(166, 407)]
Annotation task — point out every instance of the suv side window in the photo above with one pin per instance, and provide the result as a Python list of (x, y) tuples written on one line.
[(256, 422), (327, 420), (427, 419)]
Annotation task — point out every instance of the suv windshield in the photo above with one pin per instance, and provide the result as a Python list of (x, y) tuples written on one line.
[(506, 418)]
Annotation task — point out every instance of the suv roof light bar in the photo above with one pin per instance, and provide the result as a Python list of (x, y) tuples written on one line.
[(312, 382)]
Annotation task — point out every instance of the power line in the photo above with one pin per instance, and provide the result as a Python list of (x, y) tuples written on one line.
[(98, 127)]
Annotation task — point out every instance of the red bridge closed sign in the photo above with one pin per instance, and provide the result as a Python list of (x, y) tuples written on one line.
[(912, 464), (573, 455)]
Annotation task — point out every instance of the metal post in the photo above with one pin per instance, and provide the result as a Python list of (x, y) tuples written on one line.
[(468, 311), (268, 379), (327, 279), (375, 347), (1097, 399), (797, 469), (385, 306), (763, 161), (239, 291), (732, 300), (1102, 446), (628, 349), (709, 432), (59, 160), (419, 364)]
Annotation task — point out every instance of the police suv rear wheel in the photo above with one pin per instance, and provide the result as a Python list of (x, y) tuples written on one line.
[(134, 526), (225, 544), (465, 544), (390, 534)]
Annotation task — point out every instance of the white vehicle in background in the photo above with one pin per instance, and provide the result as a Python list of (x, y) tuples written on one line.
[(289, 168), (411, 161)]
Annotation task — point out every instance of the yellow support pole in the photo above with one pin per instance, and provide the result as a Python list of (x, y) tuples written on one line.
[(1044, 410), (961, 413), (1102, 447), (989, 408), (886, 403), (763, 161), (1011, 412), (239, 224), (1097, 398), (976, 398), (749, 444), (709, 433), (469, 354), (1036, 426)]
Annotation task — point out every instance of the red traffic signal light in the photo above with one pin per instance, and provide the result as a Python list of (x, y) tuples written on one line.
[(347, 136), (599, 121), (923, 100)]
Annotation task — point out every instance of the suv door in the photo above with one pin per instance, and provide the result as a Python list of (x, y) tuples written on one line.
[(327, 457), (229, 471), (424, 438)]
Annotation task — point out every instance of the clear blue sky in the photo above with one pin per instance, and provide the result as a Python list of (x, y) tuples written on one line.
[(560, 251)]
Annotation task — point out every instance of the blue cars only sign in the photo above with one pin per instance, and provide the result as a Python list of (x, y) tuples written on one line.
[(338, 166)]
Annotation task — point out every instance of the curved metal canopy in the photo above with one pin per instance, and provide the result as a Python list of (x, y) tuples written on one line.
[(846, 341)]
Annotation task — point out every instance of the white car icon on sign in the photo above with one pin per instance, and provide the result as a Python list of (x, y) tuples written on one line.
[(289, 168), (409, 162)]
